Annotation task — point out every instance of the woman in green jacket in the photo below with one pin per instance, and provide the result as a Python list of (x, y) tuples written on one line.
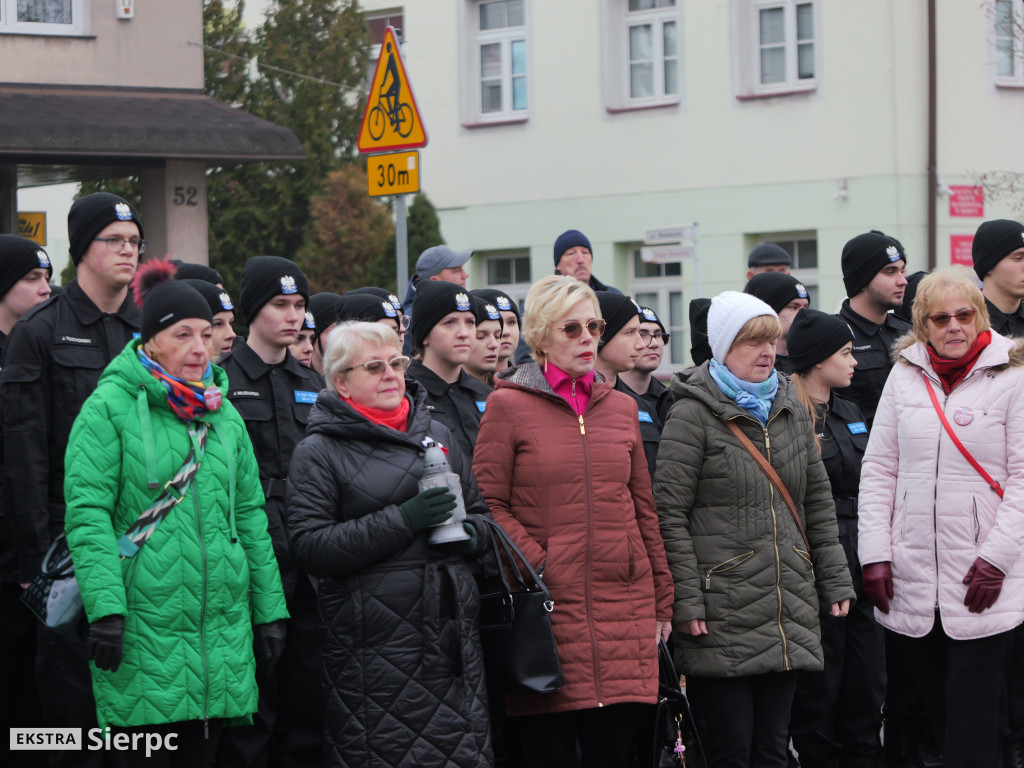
[(171, 603)]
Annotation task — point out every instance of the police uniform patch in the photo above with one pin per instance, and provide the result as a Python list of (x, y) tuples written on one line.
[(638, 310), (462, 302), (492, 312), (225, 301), (893, 253), (395, 301), (44, 260), (800, 290), (123, 212), (481, 405), (504, 304), (857, 428), (389, 309), (645, 417), (649, 315), (305, 397), (310, 323), (288, 285)]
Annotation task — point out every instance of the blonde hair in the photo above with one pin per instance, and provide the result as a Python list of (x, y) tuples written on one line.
[(760, 328), (813, 407), (547, 302), (346, 342), (938, 287)]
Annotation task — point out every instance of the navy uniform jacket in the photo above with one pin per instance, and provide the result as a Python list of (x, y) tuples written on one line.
[(52, 362), (872, 345), (274, 401), (458, 406), (652, 410)]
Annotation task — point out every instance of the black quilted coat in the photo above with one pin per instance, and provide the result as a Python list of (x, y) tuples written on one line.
[(403, 667)]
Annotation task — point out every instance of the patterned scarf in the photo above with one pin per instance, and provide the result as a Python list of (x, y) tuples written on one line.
[(188, 399), (754, 397)]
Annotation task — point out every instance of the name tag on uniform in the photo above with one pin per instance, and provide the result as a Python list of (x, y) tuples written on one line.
[(136, 335), (645, 417), (857, 428), (244, 393), (481, 405), (305, 397)]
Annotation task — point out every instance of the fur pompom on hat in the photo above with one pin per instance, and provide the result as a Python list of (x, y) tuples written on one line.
[(163, 300)]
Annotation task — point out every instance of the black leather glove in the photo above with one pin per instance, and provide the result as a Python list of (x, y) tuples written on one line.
[(430, 507), (465, 547), (984, 583), (105, 645), (269, 643), (876, 579)]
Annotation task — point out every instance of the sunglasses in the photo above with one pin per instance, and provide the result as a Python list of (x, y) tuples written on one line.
[(572, 330), (399, 364), (964, 317), (648, 338)]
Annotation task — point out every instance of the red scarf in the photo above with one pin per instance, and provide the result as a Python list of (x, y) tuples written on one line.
[(396, 418), (952, 372)]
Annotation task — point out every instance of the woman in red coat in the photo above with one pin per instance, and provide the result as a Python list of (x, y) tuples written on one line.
[(560, 461)]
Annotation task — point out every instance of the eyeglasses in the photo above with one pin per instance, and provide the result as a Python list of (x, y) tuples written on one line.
[(648, 338), (115, 244), (404, 321), (399, 364), (964, 317), (572, 330)]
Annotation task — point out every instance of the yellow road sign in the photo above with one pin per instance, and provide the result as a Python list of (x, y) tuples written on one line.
[(394, 174), (391, 119), (33, 226)]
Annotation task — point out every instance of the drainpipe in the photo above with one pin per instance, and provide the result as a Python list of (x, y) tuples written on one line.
[(933, 174)]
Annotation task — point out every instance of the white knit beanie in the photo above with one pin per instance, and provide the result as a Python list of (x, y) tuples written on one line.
[(730, 311)]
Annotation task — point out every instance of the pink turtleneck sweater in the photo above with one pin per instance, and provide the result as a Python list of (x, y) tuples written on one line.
[(576, 392)]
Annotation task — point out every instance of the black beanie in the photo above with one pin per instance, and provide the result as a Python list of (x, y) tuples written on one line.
[(570, 239), (187, 270), (993, 242), (768, 255), (776, 289), (700, 346), (217, 298), (815, 336), (500, 299), (434, 300), (485, 311), (90, 214), (617, 310), (264, 277), (165, 301), (380, 293), (364, 307), (865, 256), (648, 315), (324, 307), (18, 257), (906, 309)]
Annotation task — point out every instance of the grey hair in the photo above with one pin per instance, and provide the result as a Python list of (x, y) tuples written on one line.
[(347, 341)]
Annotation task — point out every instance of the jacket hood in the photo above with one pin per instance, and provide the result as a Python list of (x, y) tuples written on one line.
[(1002, 352), (332, 416), (528, 376), (698, 384)]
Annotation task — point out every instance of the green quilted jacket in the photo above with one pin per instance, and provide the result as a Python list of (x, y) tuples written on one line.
[(193, 592), (737, 558)]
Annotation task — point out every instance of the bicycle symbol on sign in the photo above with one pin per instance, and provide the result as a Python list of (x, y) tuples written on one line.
[(389, 107)]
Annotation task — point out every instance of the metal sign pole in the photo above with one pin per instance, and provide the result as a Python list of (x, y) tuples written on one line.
[(401, 247)]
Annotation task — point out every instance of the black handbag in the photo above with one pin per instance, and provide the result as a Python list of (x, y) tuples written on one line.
[(515, 626), (671, 737)]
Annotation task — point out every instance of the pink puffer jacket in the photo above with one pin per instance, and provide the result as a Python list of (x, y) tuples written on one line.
[(925, 509)]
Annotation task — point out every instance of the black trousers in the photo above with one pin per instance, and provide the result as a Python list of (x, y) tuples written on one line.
[(961, 682), (287, 729), (19, 704), (603, 737), (1014, 729), (196, 746), (743, 721)]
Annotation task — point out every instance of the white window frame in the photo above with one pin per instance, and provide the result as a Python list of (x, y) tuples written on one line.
[(386, 16), (472, 74), (1016, 35), (617, 64), (663, 287), (517, 290), (9, 25), (748, 48), (809, 276)]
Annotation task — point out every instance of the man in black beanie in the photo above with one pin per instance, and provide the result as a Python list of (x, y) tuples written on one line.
[(274, 393), (324, 307), (52, 362), (875, 275), (998, 253), (768, 257), (787, 296), (443, 330), (187, 270), (620, 345)]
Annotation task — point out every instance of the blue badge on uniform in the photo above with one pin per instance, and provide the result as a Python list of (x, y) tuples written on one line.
[(136, 335), (288, 285), (645, 417), (503, 303), (305, 397), (481, 405), (857, 428)]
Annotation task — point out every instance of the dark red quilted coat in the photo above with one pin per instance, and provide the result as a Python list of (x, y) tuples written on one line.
[(577, 498)]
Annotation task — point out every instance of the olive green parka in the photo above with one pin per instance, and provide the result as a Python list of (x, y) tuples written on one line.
[(193, 592), (737, 558)]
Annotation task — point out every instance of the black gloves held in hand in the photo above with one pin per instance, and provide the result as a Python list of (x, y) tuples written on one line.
[(984, 583), (430, 507), (105, 644), (877, 581), (269, 644)]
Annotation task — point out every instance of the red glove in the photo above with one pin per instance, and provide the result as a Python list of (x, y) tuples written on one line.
[(984, 583), (877, 581)]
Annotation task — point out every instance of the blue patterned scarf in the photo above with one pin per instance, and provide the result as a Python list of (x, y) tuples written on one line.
[(188, 399), (754, 397)]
